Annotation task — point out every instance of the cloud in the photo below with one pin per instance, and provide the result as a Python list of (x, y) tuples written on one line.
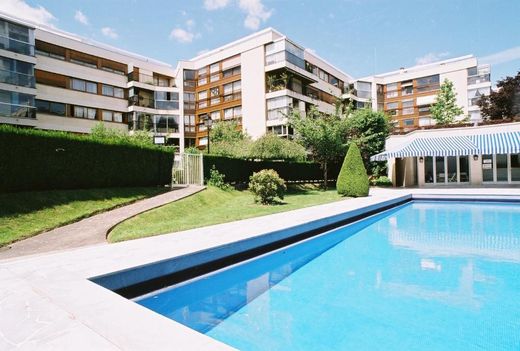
[(190, 23), (503, 56), (81, 18), (109, 32), (20, 9), (255, 13), (211, 5), (431, 57), (181, 35)]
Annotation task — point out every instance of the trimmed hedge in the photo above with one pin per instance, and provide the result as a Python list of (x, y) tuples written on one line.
[(239, 171), (353, 179), (42, 160)]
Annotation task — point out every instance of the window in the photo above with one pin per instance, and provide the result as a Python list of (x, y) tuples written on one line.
[(408, 122), (203, 95), (82, 85), (428, 83), (214, 77), (407, 107), (83, 63), (233, 112), (107, 115), (118, 117), (215, 115), (231, 72), (202, 71), (391, 90), (391, 105), (84, 112), (214, 68), (110, 116), (54, 108)]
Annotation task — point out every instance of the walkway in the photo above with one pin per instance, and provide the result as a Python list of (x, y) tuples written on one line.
[(92, 230)]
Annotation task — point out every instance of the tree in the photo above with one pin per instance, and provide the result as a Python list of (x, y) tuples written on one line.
[(226, 131), (445, 108), (503, 103), (353, 179), (272, 147), (322, 134), (369, 130)]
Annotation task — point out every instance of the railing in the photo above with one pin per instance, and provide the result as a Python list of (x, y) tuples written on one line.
[(166, 105), (17, 46), (148, 79), (16, 78), (17, 111), (483, 78), (137, 100)]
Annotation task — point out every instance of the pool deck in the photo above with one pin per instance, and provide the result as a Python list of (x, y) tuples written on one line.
[(48, 303)]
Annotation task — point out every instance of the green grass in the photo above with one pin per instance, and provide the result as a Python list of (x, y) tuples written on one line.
[(26, 214), (213, 206)]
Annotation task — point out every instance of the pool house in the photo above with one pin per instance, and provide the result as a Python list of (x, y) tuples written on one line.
[(474, 156)]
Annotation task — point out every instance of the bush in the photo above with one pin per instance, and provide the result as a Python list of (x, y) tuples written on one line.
[(382, 181), (42, 160), (353, 179), (266, 185), (273, 147), (216, 179)]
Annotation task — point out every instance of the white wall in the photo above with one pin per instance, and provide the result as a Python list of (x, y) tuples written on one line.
[(460, 84), (253, 92)]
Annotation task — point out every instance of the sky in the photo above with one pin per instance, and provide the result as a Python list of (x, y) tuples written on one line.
[(360, 37)]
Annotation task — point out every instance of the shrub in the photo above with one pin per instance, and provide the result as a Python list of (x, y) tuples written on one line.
[(353, 179), (266, 185), (272, 147), (216, 179), (382, 181)]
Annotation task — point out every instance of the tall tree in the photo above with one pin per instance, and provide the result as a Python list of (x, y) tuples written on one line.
[(445, 108), (322, 134), (505, 101), (369, 130)]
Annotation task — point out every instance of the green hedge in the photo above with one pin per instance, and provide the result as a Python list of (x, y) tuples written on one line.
[(238, 171), (42, 160)]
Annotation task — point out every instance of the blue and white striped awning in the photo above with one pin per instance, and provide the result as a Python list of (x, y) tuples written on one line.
[(497, 143), (481, 144)]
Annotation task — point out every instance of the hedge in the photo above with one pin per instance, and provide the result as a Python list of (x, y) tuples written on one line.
[(239, 171), (41, 160)]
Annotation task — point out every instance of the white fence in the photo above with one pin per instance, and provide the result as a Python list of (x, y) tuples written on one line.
[(188, 169)]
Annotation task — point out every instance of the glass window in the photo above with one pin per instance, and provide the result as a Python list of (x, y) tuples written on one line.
[(452, 169), (203, 95), (408, 122), (107, 115), (228, 113), (214, 91), (237, 111), (214, 68), (202, 71), (78, 84), (202, 81), (391, 105), (214, 78), (107, 90), (119, 92), (91, 87), (215, 115), (118, 117)]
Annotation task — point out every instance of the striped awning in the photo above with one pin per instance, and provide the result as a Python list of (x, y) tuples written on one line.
[(481, 144)]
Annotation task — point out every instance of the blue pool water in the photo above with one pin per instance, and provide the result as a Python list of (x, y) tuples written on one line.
[(423, 276)]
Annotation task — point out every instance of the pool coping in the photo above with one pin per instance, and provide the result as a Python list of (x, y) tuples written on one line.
[(49, 301)]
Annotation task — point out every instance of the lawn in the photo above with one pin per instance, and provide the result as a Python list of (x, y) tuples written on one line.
[(213, 206), (28, 213)]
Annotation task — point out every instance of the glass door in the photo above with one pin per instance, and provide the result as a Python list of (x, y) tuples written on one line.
[(464, 169), (487, 168), (501, 166), (440, 176), (451, 172)]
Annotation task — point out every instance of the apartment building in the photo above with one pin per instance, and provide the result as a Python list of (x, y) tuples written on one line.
[(406, 94), (255, 81), (55, 80)]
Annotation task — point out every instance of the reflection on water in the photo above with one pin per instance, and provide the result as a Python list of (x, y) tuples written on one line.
[(427, 276)]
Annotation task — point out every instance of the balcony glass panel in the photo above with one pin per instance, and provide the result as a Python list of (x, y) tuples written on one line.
[(17, 46), (15, 78), (479, 79), (17, 111)]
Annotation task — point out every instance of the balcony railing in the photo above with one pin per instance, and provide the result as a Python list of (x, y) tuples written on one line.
[(166, 105), (483, 78), (141, 101), (15, 78), (17, 111), (148, 79), (17, 46)]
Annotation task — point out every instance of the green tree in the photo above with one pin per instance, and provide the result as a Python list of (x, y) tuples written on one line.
[(322, 134), (369, 130), (228, 131), (353, 179), (505, 101), (445, 108), (272, 147)]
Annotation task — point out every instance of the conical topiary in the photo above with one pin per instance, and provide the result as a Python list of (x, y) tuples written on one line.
[(353, 179)]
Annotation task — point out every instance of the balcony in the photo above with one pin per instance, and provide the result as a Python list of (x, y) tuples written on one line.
[(483, 78), (15, 78), (17, 46), (148, 79), (17, 111), (141, 101), (167, 104)]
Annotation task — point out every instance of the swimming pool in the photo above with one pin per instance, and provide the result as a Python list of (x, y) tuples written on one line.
[(423, 276)]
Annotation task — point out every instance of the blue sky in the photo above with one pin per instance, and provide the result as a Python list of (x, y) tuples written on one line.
[(361, 37)]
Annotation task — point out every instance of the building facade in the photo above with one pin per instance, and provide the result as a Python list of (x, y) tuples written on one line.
[(255, 81), (407, 94), (57, 81)]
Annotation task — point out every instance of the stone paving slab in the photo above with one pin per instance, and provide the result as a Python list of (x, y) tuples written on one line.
[(92, 230)]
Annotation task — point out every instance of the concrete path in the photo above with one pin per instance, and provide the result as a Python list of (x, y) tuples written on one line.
[(92, 230)]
